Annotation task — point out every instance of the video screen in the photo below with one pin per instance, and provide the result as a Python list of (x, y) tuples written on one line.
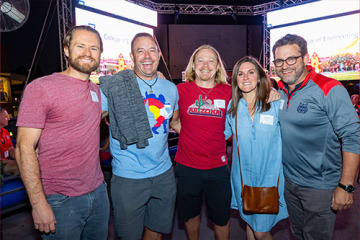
[(116, 35), (333, 44), (124, 9)]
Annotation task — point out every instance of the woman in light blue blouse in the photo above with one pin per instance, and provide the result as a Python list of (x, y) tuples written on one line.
[(259, 143)]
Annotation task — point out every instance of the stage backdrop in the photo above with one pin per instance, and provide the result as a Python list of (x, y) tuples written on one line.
[(178, 42)]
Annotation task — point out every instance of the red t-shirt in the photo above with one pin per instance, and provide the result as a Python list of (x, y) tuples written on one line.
[(202, 142), (5, 144), (68, 112)]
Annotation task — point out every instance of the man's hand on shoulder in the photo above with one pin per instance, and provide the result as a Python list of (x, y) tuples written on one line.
[(104, 114), (274, 95), (161, 75)]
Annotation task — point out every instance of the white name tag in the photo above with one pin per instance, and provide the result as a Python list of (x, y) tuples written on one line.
[(6, 154), (267, 119), (219, 103), (94, 96), (282, 102)]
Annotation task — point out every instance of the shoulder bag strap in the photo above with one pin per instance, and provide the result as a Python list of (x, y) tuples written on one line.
[(237, 145)]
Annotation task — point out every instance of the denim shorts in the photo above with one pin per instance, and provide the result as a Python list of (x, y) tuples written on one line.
[(81, 217), (194, 184), (140, 203)]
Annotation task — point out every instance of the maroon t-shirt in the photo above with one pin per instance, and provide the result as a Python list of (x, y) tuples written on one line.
[(68, 112)]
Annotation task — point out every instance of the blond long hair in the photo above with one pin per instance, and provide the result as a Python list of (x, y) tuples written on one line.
[(220, 75)]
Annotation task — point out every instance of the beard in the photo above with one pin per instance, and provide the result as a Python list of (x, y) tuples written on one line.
[(198, 76), (83, 67), (297, 75)]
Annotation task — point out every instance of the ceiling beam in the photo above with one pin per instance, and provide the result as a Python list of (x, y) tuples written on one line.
[(207, 9)]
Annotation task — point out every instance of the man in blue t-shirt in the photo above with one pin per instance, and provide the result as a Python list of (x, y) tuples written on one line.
[(140, 105), (320, 133)]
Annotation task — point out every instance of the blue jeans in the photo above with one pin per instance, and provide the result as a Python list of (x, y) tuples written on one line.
[(82, 217)]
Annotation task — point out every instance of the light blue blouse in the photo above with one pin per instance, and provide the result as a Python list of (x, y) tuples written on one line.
[(261, 160)]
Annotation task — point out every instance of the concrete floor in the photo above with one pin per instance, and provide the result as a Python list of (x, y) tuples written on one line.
[(19, 226)]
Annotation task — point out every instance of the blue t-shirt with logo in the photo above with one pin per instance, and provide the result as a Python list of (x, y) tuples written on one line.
[(160, 100)]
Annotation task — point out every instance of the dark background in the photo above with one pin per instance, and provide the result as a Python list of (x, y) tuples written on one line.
[(18, 47), (37, 40)]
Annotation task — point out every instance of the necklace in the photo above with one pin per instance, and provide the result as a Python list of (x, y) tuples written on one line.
[(150, 85), (206, 94)]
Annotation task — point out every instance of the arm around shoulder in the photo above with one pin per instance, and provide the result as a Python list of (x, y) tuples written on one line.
[(175, 122), (104, 114), (274, 95)]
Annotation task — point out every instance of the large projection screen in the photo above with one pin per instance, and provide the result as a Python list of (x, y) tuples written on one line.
[(333, 40), (116, 35)]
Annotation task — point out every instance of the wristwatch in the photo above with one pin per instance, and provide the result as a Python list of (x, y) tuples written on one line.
[(348, 188)]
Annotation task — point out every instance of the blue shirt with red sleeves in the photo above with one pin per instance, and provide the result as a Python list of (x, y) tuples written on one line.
[(318, 122)]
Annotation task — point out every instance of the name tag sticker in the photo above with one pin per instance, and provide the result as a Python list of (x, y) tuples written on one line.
[(219, 103), (267, 119), (6, 154), (94, 96), (282, 102)]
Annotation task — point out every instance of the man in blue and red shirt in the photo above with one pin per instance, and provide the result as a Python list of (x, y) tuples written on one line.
[(320, 133)]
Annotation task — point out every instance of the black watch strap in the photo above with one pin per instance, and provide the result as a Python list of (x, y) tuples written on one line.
[(347, 188)]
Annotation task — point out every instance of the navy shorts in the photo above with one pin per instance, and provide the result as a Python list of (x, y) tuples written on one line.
[(193, 185)]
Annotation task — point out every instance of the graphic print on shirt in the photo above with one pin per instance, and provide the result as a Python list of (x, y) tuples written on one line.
[(204, 108), (302, 108), (162, 111)]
